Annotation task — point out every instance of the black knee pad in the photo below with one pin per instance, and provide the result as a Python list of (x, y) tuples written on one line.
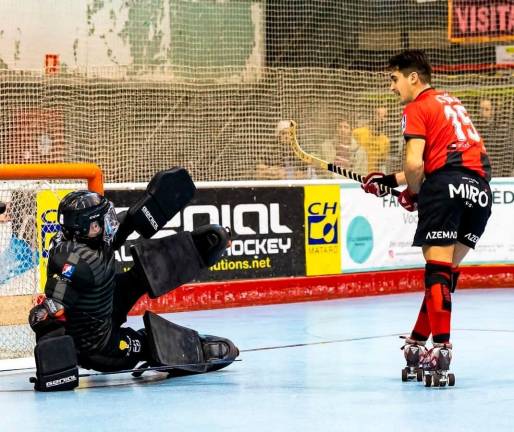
[(437, 273), (442, 275)]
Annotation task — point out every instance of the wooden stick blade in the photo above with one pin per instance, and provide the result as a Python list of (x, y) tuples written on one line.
[(320, 163)]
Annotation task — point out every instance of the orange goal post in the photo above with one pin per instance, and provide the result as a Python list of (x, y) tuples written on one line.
[(31, 193)]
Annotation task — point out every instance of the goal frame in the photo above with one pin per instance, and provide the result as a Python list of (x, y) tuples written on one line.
[(50, 171), (14, 307)]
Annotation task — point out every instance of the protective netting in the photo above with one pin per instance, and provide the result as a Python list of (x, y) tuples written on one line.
[(20, 259), (139, 86), (204, 83), (132, 127)]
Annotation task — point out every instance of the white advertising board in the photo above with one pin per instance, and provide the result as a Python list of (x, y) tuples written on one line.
[(377, 233)]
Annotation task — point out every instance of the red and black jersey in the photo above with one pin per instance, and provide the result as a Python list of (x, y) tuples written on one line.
[(451, 140)]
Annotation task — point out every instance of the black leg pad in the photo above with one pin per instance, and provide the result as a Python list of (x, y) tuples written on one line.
[(167, 262), (56, 364), (174, 345), (171, 344)]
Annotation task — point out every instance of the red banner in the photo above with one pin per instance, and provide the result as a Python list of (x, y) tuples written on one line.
[(480, 20)]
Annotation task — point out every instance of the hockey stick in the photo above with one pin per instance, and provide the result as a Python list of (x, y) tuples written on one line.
[(165, 368), (138, 369), (320, 163)]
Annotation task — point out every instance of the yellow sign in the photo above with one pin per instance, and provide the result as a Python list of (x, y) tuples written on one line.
[(47, 226), (322, 230)]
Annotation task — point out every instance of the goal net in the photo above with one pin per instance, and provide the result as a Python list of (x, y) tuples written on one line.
[(19, 271), (26, 228), (142, 86)]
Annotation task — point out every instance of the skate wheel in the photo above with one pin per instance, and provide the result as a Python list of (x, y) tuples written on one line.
[(419, 375), (428, 380), (451, 380), (436, 381), (405, 375)]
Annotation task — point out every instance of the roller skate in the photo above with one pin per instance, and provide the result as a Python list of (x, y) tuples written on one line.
[(414, 352), (436, 366)]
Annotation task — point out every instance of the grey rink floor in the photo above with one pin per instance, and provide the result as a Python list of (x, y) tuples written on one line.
[(320, 366)]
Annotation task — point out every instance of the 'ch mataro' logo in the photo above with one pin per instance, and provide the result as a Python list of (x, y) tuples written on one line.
[(322, 223)]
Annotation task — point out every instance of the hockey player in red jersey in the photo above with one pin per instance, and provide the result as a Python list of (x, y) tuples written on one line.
[(447, 173)]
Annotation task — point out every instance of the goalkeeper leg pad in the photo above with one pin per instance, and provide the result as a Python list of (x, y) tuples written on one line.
[(184, 349), (167, 262), (56, 364)]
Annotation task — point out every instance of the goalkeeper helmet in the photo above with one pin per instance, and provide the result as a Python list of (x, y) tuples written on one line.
[(78, 210)]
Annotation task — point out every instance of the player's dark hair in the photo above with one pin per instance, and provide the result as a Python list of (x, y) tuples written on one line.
[(409, 61)]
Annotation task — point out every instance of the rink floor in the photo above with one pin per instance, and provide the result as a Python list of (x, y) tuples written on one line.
[(321, 366)]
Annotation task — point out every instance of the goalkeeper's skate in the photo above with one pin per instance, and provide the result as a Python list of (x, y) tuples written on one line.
[(414, 352), (437, 364)]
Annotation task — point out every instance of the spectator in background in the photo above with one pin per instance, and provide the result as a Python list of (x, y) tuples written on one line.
[(486, 123), (497, 135), (380, 131), (374, 142), (486, 111), (343, 150), (380, 120), (277, 163)]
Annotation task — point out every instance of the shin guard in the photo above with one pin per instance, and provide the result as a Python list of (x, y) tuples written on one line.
[(184, 349), (166, 194), (438, 299), (171, 261), (421, 330), (167, 262)]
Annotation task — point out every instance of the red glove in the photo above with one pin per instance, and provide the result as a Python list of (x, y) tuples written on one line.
[(408, 200), (370, 185)]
